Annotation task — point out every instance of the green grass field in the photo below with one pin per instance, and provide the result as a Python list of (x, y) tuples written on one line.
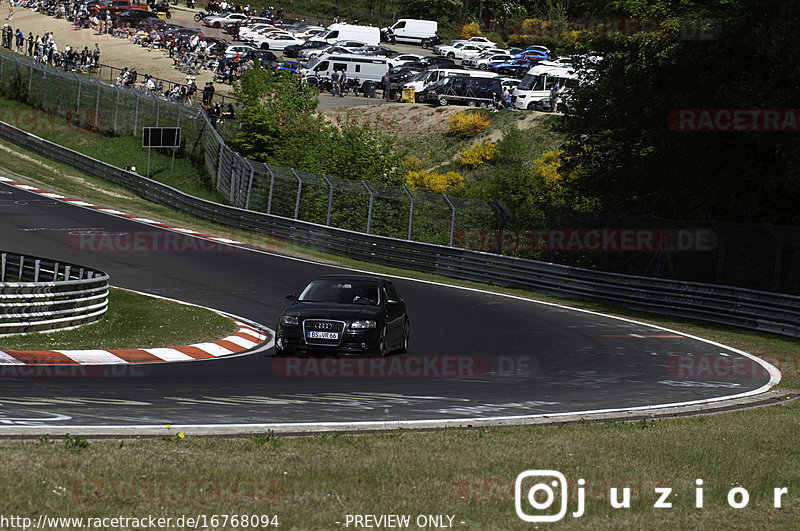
[(132, 321)]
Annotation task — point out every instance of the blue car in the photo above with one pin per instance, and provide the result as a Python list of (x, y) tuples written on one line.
[(534, 54), (289, 66)]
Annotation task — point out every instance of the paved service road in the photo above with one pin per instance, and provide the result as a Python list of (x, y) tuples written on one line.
[(472, 354)]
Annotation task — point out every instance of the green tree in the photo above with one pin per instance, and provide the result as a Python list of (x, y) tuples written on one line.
[(711, 55)]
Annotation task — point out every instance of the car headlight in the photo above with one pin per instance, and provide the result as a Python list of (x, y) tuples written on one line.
[(290, 320), (362, 324)]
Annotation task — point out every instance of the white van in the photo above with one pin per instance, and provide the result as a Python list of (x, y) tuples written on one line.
[(423, 79), (537, 84), (362, 67), (350, 32), (410, 30)]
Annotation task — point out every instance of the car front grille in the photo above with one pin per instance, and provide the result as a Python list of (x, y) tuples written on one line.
[(323, 325)]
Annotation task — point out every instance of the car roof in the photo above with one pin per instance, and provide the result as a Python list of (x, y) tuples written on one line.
[(347, 277)]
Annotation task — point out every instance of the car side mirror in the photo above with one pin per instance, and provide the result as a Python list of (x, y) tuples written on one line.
[(392, 301), (291, 296)]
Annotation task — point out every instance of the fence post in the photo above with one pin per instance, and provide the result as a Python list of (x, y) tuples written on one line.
[(136, 116), (330, 199), (452, 217), (158, 110), (3, 271), (78, 104), (776, 276), (271, 187), (37, 265), (502, 226), (30, 78), (60, 92), (249, 187), (299, 193), (116, 110), (371, 200), (97, 105), (720, 250), (410, 211), (44, 97)]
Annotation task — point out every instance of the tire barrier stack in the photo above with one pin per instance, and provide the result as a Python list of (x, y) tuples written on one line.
[(38, 294)]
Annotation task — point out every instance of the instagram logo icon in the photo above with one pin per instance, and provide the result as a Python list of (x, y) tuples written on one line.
[(539, 490)]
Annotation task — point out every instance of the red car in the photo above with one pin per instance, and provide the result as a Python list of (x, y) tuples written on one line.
[(116, 7)]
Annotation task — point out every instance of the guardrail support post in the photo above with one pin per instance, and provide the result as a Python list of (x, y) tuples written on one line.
[(452, 218), (60, 92), (3, 265), (410, 212), (249, 188), (299, 193), (44, 96), (330, 199), (136, 116), (78, 102), (37, 264), (502, 226), (371, 201)]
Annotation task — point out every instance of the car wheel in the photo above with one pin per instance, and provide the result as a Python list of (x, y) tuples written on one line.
[(426, 44), (168, 15), (264, 46), (482, 67), (471, 104), (380, 350), (443, 102), (406, 337), (484, 105), (451, 55), (198, 18), (217, 25), (531, 106)]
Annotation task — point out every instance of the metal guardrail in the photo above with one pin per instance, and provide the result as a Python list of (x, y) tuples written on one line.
[(37, 294), (750, 309)]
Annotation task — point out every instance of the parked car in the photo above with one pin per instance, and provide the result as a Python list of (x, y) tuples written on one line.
[(220, 21), (132, 17), (276, 42), (462, 90), (289, 66), (345, 315), (295, 49), (243, 49)]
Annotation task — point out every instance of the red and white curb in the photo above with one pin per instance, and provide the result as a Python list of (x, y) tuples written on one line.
[(146, 221), (246, 338)]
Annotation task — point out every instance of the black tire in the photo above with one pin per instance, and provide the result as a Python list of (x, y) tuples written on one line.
[(443, 101), (531, 106), (483, 66), (168, 15), (426, 44), (217, 25), (406, 337), (451, 55), (198, 18), (380, 348), (484, 105), (264, 46), (472, 104)]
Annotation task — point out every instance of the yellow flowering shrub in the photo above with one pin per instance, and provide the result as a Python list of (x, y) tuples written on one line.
[(548, 181), (478, 154), (469, 123), (432, 181), (470, 29)]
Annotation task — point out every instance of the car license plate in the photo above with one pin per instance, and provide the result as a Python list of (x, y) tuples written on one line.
[(313, 334)]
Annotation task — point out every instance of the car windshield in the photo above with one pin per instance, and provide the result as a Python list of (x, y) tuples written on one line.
[(341, 292)]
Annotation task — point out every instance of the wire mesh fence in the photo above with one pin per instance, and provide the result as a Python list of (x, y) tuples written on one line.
[(757, 256)]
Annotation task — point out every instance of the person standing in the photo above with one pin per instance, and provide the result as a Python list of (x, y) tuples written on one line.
[(208, 94), (334, 82), (342, 83), (30, 44), (385, 82), (554, 96), (10, 9)]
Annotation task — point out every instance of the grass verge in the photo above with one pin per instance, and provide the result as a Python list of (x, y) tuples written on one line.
[(315, 482), (132, 321)]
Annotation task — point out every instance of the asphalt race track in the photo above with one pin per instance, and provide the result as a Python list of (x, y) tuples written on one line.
[(472, 354)]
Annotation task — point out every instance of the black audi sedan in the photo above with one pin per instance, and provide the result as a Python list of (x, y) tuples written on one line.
[(346, 315)]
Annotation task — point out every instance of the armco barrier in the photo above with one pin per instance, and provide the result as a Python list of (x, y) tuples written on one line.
[(37, 294), (739, 307)]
